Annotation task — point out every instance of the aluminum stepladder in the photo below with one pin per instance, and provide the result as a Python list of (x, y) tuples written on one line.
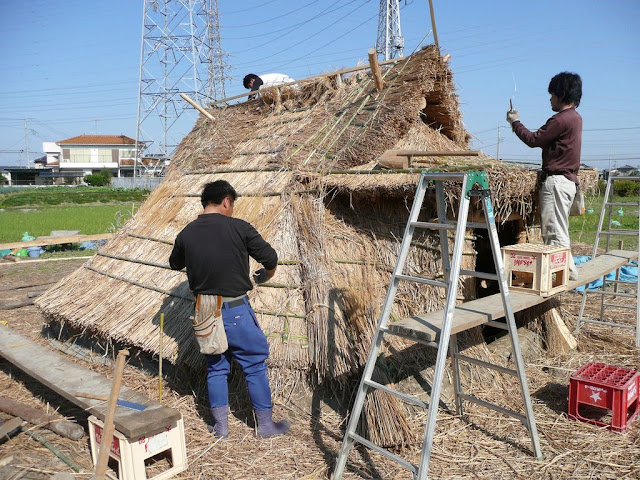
[(607, 208), (452, 271)]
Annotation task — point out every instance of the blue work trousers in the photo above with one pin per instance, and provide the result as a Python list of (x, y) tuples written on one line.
[(248, 345)]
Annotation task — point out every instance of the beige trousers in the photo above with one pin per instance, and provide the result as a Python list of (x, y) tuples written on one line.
[(556, 196)]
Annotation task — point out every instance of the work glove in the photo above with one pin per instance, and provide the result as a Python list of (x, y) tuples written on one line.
[(513, 116), (260, 276)]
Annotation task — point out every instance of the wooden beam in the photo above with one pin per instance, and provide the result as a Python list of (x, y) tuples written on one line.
[(375, 68), (433, 25), (37, 417), (42, 241), (196, 106)]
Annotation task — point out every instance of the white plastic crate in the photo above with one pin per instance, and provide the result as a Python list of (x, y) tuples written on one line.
[(129, 458), (538, 269)]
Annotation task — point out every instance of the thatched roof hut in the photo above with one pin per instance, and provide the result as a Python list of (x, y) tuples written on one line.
[(304, 165)]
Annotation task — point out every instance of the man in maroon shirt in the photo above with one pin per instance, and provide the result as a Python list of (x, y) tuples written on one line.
[(561, 140)]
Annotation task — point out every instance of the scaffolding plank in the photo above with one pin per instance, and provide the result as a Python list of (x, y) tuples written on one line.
[(43, 241), (66, 378), (426, 327)]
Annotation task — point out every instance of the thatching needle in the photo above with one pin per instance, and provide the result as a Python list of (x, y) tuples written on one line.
[(160, 362)]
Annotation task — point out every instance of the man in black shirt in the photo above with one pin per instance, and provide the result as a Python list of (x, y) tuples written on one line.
[(215, 248)]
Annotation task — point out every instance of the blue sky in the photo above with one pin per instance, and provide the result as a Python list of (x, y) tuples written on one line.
[(71, 67)]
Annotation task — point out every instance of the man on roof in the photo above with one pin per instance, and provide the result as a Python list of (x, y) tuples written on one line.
[(254, 82), (561, 141), (215, 248)]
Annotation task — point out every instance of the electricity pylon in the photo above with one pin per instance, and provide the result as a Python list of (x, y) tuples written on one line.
[(390, 42), (180, 53)]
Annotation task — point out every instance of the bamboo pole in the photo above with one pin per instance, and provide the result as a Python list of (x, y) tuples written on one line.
[(196, 106), (241, 170), (375, 68), (153, 239), (160, 356), (427, 153), (52, 448), (259, 195), (109, 427), (135, 260), (138, 284)]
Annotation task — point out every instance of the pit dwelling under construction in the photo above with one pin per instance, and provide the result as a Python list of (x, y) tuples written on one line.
[(317, 170)]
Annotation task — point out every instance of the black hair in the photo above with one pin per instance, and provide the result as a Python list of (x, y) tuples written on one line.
[(567, 87), (215, 192), (248, 78)]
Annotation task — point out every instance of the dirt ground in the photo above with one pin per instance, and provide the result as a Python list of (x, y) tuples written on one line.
[(480, 445)]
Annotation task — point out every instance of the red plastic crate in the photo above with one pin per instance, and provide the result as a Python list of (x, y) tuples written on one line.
[(608, 387)]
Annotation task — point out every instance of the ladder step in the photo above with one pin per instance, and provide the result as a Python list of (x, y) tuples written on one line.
[(413, 338), (617, 294), (396, 393), (473, 273), (500, 325), (428, 281), (477, 225), (627, 307), (619, 232), (609, 324), (492, 406), (623, 204), (443, 177), (624, 177), (434, 225), (623, 282), (386, 453), (482, 363)]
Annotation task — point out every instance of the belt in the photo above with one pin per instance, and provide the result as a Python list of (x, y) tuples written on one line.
[(550, 174), (234, 303)]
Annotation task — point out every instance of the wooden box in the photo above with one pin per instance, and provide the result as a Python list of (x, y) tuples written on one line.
[(538, 269)]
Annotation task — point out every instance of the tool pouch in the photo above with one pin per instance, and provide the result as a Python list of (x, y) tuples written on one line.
[(208, 326)]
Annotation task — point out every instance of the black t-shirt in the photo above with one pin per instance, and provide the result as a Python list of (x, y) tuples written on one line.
[(216, 249)]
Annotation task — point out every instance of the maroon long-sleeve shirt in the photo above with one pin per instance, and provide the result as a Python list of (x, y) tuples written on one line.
[(561, 141)]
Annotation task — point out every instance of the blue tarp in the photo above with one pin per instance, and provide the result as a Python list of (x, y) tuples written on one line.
[(627, 273)]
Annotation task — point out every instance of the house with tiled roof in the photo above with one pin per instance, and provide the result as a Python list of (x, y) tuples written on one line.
[(83, 155)]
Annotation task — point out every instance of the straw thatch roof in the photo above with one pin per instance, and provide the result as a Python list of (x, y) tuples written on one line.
[(291, 156)]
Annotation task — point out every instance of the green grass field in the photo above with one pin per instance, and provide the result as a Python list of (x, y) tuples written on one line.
[(90, 210), (89, 219), (29, 197)]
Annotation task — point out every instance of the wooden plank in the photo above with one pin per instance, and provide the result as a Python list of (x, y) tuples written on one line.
[(42, 241), (66, 378), (426, 327)]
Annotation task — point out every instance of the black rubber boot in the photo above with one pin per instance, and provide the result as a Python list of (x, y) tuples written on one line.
[(267, 427), (220, 427)]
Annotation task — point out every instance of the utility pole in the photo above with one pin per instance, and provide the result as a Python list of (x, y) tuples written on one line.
[(390, 43), (26, 142)]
